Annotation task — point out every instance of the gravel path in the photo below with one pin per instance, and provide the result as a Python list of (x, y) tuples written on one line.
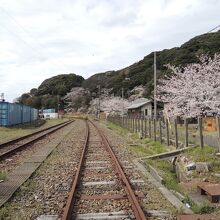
[(153, 200), (47, 191), (13, 161)]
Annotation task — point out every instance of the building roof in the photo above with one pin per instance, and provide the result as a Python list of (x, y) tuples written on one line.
[(138, 103)]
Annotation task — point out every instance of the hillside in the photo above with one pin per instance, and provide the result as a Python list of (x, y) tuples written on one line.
[(141, 73), (51, 90)]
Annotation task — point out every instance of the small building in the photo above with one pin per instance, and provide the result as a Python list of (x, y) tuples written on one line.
[(144, 108), (49, 114)]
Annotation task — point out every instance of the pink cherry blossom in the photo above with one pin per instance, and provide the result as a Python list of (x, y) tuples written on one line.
[(192, 90)]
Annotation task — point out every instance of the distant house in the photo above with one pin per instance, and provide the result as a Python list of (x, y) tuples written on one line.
[(144, 107)]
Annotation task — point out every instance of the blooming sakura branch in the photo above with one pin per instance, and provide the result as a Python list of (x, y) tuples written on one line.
[(192, 90)]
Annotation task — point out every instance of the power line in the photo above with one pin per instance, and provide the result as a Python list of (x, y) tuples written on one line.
[(213, 29), (36, 50)]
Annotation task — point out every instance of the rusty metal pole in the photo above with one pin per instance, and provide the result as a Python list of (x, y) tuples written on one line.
[(160, 131), (133, 122), (200, 132), (155, 130), (136, 124), (142, 126), (176, 133), (218, 125), (167, 131), (149, 127), (145, 127), (186, 133)]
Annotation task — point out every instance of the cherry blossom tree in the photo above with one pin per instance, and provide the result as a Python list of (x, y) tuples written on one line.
[(77, 99), (192, 90), (109, 103)]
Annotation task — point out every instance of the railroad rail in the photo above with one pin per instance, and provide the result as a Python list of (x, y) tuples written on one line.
[(78, 195), (15, 145)]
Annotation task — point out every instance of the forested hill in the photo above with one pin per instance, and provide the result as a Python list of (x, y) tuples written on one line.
[(141, 73), (51, 90)]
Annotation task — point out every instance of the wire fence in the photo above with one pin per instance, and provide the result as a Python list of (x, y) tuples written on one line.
[(171, 132)]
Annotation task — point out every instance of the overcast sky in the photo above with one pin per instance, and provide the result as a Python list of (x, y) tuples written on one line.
[(40, 39)]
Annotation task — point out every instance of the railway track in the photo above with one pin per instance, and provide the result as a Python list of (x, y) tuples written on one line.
[(101, 189), (13, 146)]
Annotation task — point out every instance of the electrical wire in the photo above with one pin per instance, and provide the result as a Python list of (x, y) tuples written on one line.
[(36, 50), (213, 29)]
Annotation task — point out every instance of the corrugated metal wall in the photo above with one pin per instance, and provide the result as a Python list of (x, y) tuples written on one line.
[(12, 114)]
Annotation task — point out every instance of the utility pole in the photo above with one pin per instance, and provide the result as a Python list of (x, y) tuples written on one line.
[(155, 87), (99, 103), (58, 103), (122, 95)]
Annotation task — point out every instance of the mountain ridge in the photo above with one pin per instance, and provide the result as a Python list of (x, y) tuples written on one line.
[(138, 73)]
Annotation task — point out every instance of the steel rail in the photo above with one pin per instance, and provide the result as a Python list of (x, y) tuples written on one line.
[(5, 144), (20, 147), (67, 215), (138, 212), (68, 210)]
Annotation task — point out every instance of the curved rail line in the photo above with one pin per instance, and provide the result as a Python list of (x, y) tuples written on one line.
[(14, 145), (68, 210)]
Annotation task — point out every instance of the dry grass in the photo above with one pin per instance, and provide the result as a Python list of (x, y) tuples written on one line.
[(7, 134)]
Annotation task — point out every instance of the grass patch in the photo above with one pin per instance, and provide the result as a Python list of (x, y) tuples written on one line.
[(204, 208), (144, 147), (156, 147), (10, 133), (206, 154), (3, 213), (166, 171), (3, 175), (120, 130)]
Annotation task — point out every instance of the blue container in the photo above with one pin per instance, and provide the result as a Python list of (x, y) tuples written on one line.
[(26, 114), (34, 114), (10, 114)]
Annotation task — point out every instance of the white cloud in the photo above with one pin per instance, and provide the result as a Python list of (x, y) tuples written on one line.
[(40, 39)]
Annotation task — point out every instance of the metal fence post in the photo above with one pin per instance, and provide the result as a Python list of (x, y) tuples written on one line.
[(167, 131), (200, 132), (139, 124), (218, 128), (186, 133), (136, 124), (176, 133), (218, 125), (145, 127), (142, 126), (149, 127), (160, 130), (155, 130)]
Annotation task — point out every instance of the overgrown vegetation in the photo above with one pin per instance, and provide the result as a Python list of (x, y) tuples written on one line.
[(49, 93), (166, 171), (3, 175), (204, 208), (147, 147), (206, 154)]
